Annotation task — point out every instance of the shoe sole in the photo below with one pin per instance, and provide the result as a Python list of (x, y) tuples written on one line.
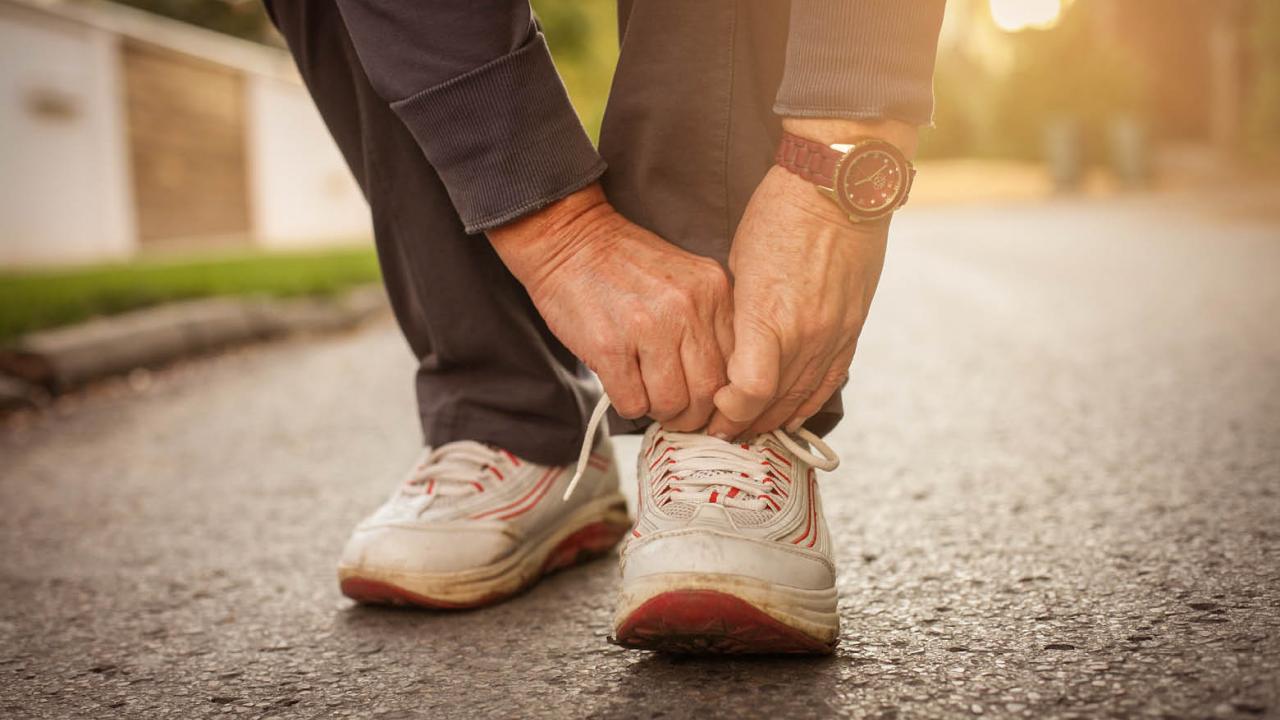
[(591, 532), (700, 613)]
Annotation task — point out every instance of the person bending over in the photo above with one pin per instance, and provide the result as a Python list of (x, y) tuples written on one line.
[(712, 264)]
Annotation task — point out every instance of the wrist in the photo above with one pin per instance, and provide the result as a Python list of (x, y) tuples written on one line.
[(829, 131), (534, 245)]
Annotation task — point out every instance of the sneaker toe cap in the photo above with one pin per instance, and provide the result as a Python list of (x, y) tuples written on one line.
[(443, 548), (701, 551)]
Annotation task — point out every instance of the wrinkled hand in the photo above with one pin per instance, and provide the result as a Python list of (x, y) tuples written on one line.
[(653, 321), (804, 276)]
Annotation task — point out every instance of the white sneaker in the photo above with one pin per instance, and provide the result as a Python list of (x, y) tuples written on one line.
[(473, 525), (730, 552)]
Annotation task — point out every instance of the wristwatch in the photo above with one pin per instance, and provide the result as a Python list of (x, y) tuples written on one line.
[(869, 178)]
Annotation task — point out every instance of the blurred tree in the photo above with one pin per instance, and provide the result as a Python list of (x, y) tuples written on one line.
[(583, 35), (997, 93), (1071, 73), (1264, 101)]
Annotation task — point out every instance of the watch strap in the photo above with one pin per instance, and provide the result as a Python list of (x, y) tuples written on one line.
[(809, 159)]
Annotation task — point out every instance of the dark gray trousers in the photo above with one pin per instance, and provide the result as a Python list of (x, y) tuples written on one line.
[(688, 134)]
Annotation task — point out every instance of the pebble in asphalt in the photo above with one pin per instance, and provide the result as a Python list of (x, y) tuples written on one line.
[(1060, 497)]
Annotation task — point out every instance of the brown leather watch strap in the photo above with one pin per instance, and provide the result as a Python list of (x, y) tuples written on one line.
[(811, 160)]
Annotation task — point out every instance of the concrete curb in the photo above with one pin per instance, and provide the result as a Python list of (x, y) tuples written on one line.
[(63, 358)]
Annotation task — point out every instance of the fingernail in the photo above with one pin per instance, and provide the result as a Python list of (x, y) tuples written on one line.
[(721, 436)]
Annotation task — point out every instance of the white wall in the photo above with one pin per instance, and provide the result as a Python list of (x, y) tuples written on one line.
[(300, 190), (64, 178)]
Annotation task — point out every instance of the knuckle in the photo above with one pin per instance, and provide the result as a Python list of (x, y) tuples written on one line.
[(711, 271), (629, 406), (718, 283), (640, 319), (678, 299), (607, 354)]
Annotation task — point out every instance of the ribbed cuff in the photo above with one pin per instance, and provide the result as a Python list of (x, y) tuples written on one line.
[(861, 59), (504, 137)]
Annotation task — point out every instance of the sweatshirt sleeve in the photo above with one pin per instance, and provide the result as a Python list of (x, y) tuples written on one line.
[(474, 83), (861, 59)]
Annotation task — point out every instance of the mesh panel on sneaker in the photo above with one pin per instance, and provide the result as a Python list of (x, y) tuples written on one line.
[(749, 518), (743, 518), (679, 510)]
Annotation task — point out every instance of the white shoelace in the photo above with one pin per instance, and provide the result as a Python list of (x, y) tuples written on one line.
[(701, 462), (456, 468)]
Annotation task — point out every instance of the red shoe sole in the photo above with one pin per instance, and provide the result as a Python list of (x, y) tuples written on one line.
[(589, 542), (706, 621)]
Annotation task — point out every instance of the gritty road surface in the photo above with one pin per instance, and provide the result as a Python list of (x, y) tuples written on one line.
[(1060, 497)]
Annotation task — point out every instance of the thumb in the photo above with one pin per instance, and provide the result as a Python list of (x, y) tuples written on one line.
[(753, 376)]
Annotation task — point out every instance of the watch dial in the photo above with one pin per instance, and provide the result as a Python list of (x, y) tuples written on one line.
[(873, 181)]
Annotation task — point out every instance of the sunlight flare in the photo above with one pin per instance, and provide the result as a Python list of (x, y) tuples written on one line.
[(1015, 15)]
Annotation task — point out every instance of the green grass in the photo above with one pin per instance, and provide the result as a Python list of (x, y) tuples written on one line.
[(48, 298), (583, 38)]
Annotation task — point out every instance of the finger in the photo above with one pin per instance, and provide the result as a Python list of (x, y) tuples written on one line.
[(805, 382), (704, 374), (622, 381), (753, 380), (832, 382), (723, 324), (800, 376), (663, 374)]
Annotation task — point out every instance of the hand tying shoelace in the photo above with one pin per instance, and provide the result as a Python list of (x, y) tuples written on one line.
[(452, 469), (716, 462)]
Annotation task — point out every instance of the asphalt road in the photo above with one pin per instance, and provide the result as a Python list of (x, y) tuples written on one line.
[(1060, 497)]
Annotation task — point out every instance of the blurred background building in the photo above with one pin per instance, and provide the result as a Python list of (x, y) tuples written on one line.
[(122, 131)]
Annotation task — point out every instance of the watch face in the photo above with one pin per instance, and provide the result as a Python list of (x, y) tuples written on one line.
[(872, 180)]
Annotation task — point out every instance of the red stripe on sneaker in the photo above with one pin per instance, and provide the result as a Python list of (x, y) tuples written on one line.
[(514, 460), (495, 471), (733, 492), (477, 486), (534, 503), (773, 482), (774, 453), (775, 469), (813, 503), (541, 481), (657, 461), (714, 495)]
